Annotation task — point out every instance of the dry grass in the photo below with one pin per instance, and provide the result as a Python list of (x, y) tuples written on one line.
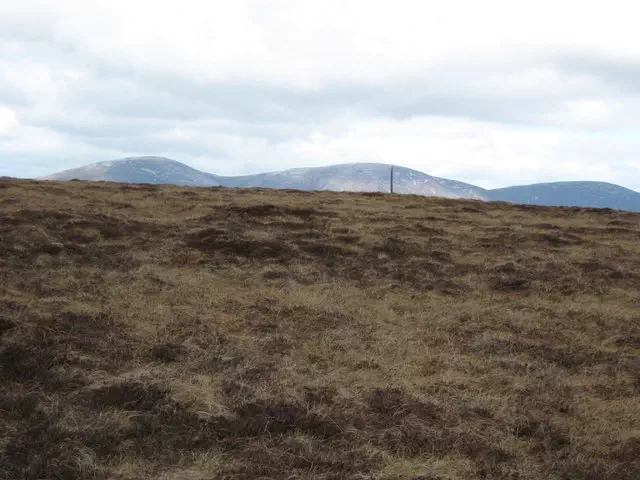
[(174, 333)]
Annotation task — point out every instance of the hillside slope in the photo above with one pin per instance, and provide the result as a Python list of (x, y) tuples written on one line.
[(180, 333), (358, 177), (586, 194), (154, 170)]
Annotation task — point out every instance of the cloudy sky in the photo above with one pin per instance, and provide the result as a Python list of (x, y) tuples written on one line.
[(492, 92)]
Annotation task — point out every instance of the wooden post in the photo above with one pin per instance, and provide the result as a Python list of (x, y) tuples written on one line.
[(391, 179)]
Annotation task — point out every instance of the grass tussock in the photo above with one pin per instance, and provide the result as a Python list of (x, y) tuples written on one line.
[(163, 332)]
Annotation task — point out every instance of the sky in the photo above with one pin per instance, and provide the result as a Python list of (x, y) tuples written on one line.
[(493, 93)]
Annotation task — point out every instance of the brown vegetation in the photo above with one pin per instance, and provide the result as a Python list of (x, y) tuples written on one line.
[(173, 333)]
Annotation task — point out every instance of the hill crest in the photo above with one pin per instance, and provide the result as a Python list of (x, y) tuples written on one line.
[(358, 177)]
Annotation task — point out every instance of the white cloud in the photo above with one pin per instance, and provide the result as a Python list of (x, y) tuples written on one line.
[(584, 113), (492, 92), (8, 120)]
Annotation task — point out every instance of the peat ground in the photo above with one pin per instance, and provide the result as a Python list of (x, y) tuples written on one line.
[(160, 332)]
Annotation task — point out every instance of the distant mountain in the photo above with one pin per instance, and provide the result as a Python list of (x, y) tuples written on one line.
[(140, 170), (357, 177), (583, 194)]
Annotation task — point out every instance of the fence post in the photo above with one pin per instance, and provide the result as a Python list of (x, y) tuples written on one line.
[(391, 179)]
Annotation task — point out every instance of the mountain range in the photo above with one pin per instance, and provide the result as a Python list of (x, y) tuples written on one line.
[(357, 177)]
